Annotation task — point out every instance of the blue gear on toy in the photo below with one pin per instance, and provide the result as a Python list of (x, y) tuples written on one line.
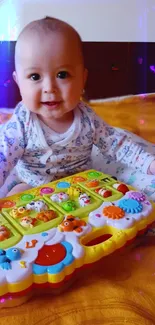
[(130, 206)]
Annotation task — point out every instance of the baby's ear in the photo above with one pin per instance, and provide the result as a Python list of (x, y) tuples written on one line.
[(14, 75)]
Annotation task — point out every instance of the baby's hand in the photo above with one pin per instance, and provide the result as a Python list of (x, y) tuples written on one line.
[(151, 169)]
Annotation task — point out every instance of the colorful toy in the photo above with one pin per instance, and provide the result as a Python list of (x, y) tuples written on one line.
[(4, 233), (47, 234)]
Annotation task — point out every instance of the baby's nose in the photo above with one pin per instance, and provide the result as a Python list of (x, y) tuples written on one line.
[(49, 86)]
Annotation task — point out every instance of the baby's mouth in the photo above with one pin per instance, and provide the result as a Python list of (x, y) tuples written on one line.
[(53, 104)]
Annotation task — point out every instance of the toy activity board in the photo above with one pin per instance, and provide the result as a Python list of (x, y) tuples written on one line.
[(49, 233)]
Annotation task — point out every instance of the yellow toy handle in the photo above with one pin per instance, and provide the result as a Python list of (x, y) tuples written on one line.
[(118, 239)]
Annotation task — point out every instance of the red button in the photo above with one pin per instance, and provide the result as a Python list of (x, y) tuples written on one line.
[(51, 255)]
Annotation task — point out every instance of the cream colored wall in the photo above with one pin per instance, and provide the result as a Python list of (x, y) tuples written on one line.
[(96, 20)]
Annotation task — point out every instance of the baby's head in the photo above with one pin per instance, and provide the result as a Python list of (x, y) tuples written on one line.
[(49, 67)]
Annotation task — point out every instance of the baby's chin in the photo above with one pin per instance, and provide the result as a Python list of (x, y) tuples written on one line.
[(43, 111), (54, 114)]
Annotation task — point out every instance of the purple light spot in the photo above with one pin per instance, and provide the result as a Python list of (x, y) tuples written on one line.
[(138, 257), (141, 122), (140, 60), (152, 68), (2, 300), (142, 95), (7, 83)]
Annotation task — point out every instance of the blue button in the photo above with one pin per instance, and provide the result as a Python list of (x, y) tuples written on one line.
[(44, 234), (63, 185)]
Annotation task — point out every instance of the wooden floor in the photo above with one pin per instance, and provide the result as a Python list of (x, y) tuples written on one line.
[(136, 113), (121, 288)]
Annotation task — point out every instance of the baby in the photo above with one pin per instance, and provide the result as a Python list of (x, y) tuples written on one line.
[(51, 133)]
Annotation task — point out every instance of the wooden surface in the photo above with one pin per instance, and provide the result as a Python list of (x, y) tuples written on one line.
[(121, 288), (136, 113)]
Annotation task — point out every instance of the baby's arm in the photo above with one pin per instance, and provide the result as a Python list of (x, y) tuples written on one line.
[(151, 169), (121, 147), (12, 143)]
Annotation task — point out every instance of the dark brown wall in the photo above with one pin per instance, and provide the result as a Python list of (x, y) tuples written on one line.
[(115, 69)]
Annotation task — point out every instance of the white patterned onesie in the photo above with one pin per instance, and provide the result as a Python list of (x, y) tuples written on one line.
[(31, 152)]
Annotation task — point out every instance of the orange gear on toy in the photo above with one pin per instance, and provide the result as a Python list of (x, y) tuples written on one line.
[(93, 183), (113, 212), (46, 215), (71, 223)]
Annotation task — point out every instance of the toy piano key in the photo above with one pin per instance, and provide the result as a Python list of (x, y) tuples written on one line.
[(48, 233)]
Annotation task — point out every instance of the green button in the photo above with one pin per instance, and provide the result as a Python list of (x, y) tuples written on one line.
[(27, 197), (94, 174), (69, 206)]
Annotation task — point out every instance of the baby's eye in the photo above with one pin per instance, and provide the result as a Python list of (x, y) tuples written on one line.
[(35, 76), (63, 75)]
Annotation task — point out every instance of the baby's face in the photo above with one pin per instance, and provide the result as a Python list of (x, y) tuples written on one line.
[(50, 74)]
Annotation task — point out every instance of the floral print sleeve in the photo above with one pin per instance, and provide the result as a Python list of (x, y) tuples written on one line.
[(13, 138), (119, 146)]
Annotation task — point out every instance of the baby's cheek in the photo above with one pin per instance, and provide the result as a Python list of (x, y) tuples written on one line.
[(34, 99), (30, 103)]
